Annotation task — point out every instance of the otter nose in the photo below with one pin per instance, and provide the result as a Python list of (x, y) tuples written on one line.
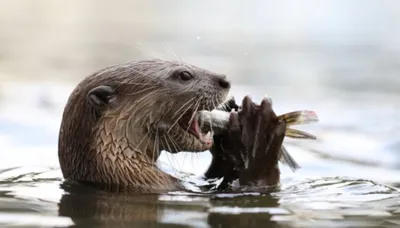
[(224, 83)]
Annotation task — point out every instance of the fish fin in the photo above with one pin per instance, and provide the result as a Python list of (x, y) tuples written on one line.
[(287, 159)]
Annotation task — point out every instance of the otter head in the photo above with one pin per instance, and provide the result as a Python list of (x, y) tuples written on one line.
[(129, 113)]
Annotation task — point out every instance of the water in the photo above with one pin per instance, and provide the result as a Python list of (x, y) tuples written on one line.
[(337, 58), (343, 181)]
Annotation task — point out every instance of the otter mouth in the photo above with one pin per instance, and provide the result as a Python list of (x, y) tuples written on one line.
[(189, 123)]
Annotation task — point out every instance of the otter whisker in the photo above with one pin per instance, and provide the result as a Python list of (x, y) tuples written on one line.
[(223, 106), (169, 48), (144, 100), (183, 161), (214, 102), (145, 96), (156, 141), (155, 146), (183, 106), (168, 146), (141, 141), (149, 53), (146, 76), (148, 141), (157, 137), (143, 90), (176, 146), (193, 115), (183, 113), (211, 119), (127, 70), (211, 125), (167, 155), (138, 102), (170, 163), (151, 83), (216, 119), (155, 73), (208, 102), (176, 163)]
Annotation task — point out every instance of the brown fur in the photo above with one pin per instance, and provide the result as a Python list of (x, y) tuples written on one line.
[(117, 145)]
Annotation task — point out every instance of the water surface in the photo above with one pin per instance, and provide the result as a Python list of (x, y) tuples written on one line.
[(348, 176)]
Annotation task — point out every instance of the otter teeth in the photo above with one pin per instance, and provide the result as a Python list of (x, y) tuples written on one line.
[(207, 138)]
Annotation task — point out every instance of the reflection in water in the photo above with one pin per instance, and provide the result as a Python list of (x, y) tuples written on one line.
[(232, 212), (304, 204), (87, 207), (337, 202)]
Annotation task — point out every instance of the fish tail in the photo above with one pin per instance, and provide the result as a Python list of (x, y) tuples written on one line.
[(299, 117)]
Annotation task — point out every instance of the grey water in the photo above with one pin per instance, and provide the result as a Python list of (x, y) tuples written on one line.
[(337, 58)]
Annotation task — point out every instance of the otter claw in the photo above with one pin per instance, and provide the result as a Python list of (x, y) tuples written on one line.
[(247, 105)]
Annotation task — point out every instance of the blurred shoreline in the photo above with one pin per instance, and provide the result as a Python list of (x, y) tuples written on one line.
[(335, 44)]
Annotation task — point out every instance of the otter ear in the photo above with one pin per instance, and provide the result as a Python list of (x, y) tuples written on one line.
[(101, 96)]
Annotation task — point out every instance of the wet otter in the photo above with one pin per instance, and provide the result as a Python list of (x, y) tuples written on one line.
[(118, 120)]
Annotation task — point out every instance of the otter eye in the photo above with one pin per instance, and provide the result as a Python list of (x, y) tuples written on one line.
[(185, 76)]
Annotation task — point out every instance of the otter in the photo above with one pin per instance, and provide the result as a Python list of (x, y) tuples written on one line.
[(118, 120)]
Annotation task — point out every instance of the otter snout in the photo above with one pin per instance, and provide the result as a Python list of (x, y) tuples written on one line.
[(223, 82)]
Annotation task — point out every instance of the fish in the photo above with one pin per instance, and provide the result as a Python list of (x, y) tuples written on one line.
[(299, 118), (217, 120), (296, 118)]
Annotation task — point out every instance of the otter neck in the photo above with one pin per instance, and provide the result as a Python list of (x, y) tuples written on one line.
[(123, 162)]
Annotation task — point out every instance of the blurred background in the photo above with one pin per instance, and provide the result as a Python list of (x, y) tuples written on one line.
[(338, 58)]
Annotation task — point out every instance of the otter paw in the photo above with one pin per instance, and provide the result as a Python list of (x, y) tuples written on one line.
[(261, 135)]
